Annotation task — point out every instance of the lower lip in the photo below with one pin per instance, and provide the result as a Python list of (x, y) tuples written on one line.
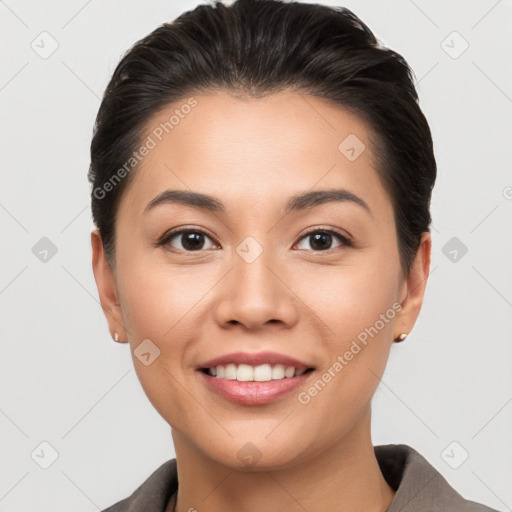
[(254, 393)]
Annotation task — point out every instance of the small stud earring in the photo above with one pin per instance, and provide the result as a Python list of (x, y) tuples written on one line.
[(400, 338), (116, 336)]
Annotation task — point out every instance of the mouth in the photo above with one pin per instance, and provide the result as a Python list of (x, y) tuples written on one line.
[(260, 373), (254, 379)]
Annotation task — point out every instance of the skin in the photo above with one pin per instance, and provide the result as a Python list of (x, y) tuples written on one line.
[(252, 154)]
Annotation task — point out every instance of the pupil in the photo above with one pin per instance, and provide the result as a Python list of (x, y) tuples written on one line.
[(321, 241), (192, 241)]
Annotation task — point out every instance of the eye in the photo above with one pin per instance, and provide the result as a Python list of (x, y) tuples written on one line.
[(190, 240), (193, 240), (321, 239)]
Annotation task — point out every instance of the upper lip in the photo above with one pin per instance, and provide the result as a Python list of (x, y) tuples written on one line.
[(254, 359)]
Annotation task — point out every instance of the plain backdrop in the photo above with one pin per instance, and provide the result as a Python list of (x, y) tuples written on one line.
[(69, 396)]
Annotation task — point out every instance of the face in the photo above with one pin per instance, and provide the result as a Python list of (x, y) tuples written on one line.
[(253, 282)]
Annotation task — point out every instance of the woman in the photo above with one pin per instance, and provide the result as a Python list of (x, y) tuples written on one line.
[(261, 179)]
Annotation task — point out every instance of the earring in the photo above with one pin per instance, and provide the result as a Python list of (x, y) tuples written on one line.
[(400, 338), (116, 336)]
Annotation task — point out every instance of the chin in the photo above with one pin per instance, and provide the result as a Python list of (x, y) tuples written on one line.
[(258, 453)]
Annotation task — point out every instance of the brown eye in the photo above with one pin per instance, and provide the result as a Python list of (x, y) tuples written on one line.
[(322, 239), (188, 240)]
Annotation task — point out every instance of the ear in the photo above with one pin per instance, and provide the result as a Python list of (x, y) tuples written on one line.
[(106, 284), (416, 283)]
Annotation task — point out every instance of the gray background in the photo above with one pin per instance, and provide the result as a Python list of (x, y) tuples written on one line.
[(66, 383)]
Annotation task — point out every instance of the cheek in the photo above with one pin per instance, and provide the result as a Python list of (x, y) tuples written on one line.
[(346, 299), (157, 298), (355, 308), (164, 303)]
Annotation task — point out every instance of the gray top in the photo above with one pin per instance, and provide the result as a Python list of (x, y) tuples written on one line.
[(418, 485)]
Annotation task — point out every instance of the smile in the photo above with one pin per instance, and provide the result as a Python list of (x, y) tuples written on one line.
[(260, 373), (254, 378)]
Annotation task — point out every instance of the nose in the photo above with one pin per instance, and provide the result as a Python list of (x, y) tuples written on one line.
[(256, 292)]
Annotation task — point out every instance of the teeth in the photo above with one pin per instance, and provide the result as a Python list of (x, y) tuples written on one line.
[(289, 371), (262, 373), (278, 372), (230, 372), (248, 373), (244, 372)]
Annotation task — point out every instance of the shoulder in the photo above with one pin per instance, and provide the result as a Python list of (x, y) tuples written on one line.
[(418, 485), (153, 494)]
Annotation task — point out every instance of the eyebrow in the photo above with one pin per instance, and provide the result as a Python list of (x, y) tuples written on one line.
[(298, 202)]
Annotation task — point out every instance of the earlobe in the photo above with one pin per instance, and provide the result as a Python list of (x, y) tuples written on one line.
[(107, 291), (416, 283)]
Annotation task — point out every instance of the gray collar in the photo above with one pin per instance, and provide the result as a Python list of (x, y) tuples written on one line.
[(418, 486)]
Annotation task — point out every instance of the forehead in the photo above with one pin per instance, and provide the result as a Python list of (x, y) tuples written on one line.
[(256, 148)]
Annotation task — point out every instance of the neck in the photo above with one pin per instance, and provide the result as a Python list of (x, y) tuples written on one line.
[(343, 477)]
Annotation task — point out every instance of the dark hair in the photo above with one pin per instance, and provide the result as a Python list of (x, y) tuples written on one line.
[(258, 47)]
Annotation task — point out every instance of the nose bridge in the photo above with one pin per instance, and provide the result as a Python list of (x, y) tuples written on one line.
[(255, 251), (254, 293), (252, 279)]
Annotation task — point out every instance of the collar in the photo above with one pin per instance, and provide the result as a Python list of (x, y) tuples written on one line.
[(417, 484)]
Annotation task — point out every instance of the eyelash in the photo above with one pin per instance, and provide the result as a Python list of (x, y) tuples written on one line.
[(170, 235)]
